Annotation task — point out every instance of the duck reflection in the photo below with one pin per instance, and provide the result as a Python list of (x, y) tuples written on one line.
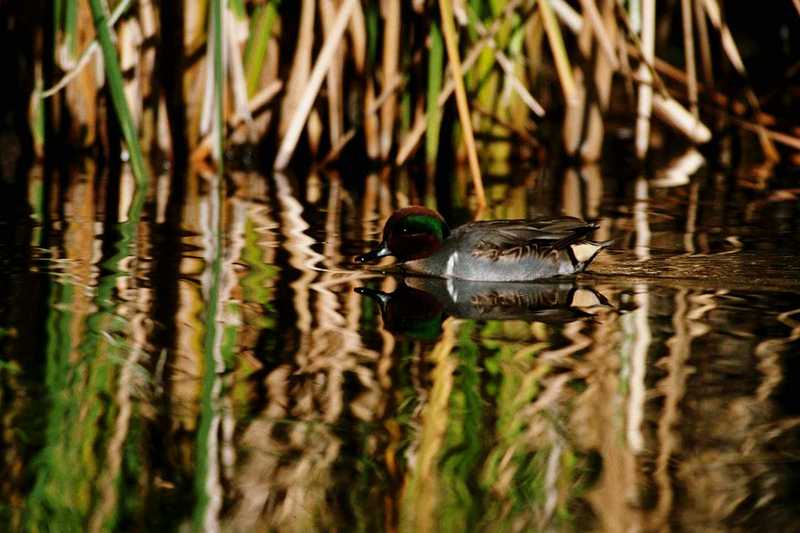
[(419, 305)]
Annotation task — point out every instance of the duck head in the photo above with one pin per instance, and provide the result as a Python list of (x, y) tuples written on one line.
[(410, 233)]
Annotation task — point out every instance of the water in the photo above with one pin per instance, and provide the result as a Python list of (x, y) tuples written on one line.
[(197, 360)]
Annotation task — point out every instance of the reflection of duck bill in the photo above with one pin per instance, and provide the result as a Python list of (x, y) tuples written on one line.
[(379, 296)]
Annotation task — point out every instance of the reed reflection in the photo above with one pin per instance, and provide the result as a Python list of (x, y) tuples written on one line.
[(217, 361)]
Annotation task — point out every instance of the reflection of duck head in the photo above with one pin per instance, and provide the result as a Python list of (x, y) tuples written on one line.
[(409, 311), (419, 305)]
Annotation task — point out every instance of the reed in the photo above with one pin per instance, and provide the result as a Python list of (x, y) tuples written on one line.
[(386, 74), (117, 90)]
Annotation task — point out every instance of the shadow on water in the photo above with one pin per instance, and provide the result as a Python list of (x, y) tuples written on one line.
[(210, 358)]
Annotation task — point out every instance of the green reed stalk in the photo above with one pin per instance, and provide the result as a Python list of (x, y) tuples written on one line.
[(219, 80), (237, 6), (71, 27), (256, 51), (434, 112), (116, 87)]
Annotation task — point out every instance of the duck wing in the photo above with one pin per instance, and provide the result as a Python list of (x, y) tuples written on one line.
[(520, 238)]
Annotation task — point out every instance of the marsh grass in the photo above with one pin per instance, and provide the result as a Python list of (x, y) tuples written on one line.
[(375, 77)]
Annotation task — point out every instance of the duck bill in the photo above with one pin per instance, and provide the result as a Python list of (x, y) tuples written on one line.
[(381, 251)]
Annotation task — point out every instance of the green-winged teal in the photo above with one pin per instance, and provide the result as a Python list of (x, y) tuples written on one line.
[(496, 250)]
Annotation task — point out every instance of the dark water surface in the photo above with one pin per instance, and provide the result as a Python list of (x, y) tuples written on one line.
[(202, 360)]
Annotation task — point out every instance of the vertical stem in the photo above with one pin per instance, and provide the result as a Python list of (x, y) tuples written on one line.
[(446, 8), (688, 46), (705, 46), (434, 114), (298, 118), (559, 52), (257, 46), (115, 84), (645, 104), (391, 12), (219, 81)]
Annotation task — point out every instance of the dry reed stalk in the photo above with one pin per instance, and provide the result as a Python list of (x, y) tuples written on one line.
[(732, 51), (567, 14), (301, 112), (723, 102), (592, 144), (236, 123), (645, 100), (601, 32), (194, 84), (776, 136), (371, 122), (334, 76), (81, 96), (212, 109), (688, 47), (391, 12), (625, 64), (129, 39), (358, 36), (449, 31), (559, 52), (534, 34), (301, 66), (369, 117), (87, 54), (673, 113), (705, 43), (314, 129), (236, 34), (148, 124), (574, 128)]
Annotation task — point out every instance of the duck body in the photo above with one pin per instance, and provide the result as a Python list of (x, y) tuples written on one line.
[(511, 250), (494, 251)]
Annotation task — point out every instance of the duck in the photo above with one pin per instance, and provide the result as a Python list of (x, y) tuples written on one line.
[(494, 250)]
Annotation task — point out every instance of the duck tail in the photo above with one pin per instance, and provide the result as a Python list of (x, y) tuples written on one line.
[(584, 252)]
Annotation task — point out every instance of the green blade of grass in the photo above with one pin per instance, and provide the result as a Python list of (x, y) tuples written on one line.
[(71, 27), (263, 21), (219, 80), (116, 87), (434, 114)]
